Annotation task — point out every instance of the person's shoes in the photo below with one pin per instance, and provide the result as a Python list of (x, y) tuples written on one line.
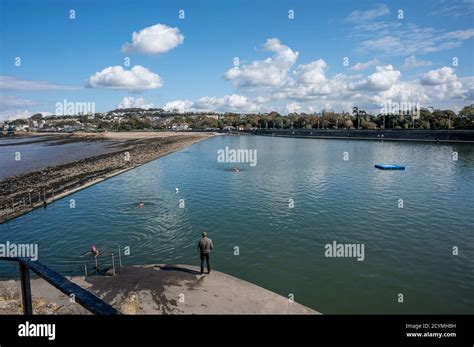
[(200, 273)]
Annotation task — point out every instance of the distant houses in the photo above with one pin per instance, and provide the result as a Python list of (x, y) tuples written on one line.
[(159, 119), (7, 130), (180, 127), (21, 128), (213, 116)]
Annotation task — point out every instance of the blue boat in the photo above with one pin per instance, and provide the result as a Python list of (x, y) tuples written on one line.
[(389, 167)]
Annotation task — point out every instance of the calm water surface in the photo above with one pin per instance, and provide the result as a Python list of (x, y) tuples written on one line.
[(407, 250)]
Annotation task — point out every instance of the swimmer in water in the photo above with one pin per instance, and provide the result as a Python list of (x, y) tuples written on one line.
[(94, 251), (141, 204)]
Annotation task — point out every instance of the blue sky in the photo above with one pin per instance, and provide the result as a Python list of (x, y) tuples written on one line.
[(284, 64)]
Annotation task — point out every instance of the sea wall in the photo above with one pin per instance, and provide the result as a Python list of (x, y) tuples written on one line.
[(388, 134), (24, 193)]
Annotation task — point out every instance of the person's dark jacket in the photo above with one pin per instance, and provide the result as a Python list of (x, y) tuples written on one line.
[(205, 245)]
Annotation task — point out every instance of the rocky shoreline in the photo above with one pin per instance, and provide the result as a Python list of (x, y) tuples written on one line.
[(23, 193)]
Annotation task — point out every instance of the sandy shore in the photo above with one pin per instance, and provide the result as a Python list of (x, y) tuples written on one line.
[(134, 135), (23, 193)]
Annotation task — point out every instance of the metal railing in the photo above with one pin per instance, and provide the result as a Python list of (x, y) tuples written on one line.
[(101, 263), (31, 200), (85, 298)]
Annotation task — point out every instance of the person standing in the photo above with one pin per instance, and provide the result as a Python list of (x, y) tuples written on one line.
[(205, 246)]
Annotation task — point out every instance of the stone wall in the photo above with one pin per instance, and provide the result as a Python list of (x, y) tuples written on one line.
[(396, 134)]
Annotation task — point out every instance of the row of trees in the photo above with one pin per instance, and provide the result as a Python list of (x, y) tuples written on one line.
[(359, 119)]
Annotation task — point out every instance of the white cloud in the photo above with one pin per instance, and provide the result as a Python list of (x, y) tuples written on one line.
[(269, 72), (438, 76), (401, 92), (12, 107), (14, 83), (413, 39), (293, 107), (227, 103), (412, 62), (137, 79), (363, 16), (156, 39), (309, 82), (13, 103), (458, 35), (444, 84), (436, 86), (312, 73), (468, 83), (308, 87), (180, 105), (131, 102), (363, 66), (262, 99), (382, 79), (380, 27), (453, 8)]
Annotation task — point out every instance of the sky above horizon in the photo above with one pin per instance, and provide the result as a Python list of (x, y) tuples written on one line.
[(237, 56)]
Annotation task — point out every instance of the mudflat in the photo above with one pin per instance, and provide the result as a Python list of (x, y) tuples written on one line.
[(25, 192)]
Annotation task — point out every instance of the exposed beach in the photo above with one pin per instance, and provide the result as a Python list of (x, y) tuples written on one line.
[(123, 151)]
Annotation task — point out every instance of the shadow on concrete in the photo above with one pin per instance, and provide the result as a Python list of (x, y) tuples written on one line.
[(176, 268)]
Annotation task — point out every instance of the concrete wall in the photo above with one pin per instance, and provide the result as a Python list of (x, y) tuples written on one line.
[(401, 134)]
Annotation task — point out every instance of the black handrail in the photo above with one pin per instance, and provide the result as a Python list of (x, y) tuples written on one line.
[(85, 298)]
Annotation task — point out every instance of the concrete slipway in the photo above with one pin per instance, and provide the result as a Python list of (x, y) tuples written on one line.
[(168, 289)]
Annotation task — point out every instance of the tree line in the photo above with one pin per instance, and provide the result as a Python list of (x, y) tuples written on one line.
[(358, 119)]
